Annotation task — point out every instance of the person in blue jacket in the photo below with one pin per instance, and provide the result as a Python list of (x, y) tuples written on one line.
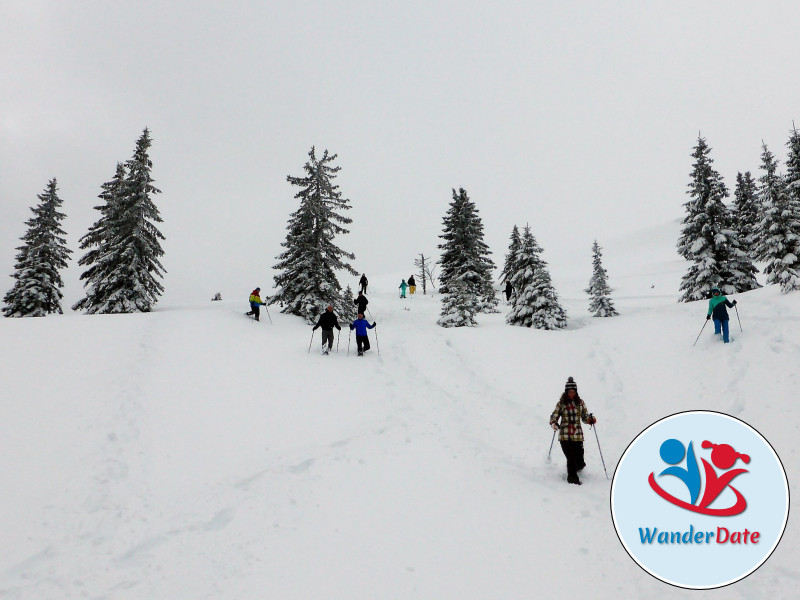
[(361, 325), (718, 312)]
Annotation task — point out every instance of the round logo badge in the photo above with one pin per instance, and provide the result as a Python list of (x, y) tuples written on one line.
[(700, 499)]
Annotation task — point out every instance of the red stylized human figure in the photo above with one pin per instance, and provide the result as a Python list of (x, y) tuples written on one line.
[(724, 457)]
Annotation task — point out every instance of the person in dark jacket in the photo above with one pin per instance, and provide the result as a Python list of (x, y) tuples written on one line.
[(412, 285), (570, 411), (327, 321), (361, 302), (363, 284), (361, 325), (256, 304), (509, 290), (718, 312)]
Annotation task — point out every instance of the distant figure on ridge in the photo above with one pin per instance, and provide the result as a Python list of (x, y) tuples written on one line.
[(403, 285), (509, 290), (363, 283), (412, 285)]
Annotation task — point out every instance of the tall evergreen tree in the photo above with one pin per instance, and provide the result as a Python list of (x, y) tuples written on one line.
[(600, 303), (465, 255), (513, 246), (747, 212), (307, 280), (778, 233), (535, 303), (125, 242), (459, 305), (38, 283), (708, 239)]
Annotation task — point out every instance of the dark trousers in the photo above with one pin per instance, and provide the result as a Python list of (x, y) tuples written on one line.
[(362, 342), (363, 289), (574, 453), (255, 309), (327, 336)]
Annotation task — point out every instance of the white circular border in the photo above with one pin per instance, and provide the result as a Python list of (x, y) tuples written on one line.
[(785, 484)]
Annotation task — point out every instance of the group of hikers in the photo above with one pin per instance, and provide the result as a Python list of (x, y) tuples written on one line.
[(570, 411)]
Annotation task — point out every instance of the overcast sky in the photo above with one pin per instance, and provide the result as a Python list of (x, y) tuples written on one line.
[(576, 117)]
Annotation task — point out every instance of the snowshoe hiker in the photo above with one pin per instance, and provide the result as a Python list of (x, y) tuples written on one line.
[(361, 325), (509, 290), (571, 410), (718, 312), (256, 304), (361, 302), (412, 285), (403, 285), (363, 284), (327, 321)]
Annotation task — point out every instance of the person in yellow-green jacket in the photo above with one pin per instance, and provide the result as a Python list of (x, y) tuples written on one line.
[(255, 304), (718, 312)]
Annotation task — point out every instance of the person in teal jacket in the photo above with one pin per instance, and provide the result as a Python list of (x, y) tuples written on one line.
[(403, 285), (718, 312)]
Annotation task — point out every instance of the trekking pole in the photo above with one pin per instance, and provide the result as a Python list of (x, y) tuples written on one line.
[(309, 342), (270, 318), (348, 342), (594, 426), (377, 341), (738, 319), (701, 332), (338, 335), (551, 445)]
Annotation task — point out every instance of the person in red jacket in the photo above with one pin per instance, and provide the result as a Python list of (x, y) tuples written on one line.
[(256, 304)]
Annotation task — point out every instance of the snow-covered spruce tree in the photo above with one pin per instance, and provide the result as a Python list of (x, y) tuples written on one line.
[(708, 239), (600, 304), (778, 233), (125, 262), (37, 285), (459, 305), (465, 256), (344, 307), (306, 281), (746, 211), (513, 246), (535, 302)]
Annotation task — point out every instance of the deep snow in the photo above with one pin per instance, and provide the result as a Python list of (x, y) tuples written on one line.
[(194, 453)]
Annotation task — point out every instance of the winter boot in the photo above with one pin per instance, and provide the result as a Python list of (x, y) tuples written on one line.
[(574, 479)]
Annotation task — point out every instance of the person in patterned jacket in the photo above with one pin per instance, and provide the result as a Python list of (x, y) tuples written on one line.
[(566, 419)]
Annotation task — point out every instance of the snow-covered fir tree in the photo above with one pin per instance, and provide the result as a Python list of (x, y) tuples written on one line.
[(778, 233), (37, 277), (344, 307), (465, 255), (513, 246), (306, 281), (746, 211), (459, 304), (600, 304), (535, 302), (124, 244), (708, 239)]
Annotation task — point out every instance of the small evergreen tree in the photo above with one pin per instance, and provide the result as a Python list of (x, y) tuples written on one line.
[(38, 283), (535, 303), (708, 239), (465, 255), (126, 260), (459, 305), (747, 212), (778, 233), (599, 291), (513, 245), (307, 268), (344, 307)]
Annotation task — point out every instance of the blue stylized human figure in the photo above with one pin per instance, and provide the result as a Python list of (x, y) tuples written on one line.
[(672, 452)]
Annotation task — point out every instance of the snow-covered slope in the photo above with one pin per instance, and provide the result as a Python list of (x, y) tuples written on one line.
[(194, 453)]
